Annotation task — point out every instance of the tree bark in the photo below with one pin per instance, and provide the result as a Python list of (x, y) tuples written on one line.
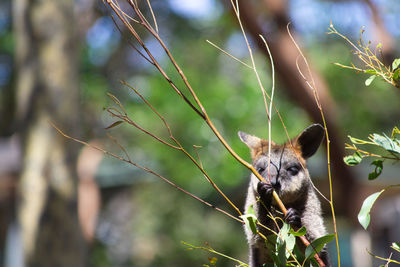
[(47, 91)]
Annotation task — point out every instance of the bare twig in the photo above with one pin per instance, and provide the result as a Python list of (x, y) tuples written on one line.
[(127, 160), (201, 111), (210, 249), (316, 96), (178, 146), (228, 54)]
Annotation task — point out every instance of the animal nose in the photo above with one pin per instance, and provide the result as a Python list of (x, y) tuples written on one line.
[(273, 180), (272, 175)]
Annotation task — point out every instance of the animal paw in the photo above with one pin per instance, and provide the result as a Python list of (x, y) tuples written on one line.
[(265, 192), (292, 217)]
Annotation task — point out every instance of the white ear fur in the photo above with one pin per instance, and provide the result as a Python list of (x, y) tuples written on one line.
[(250, 140)]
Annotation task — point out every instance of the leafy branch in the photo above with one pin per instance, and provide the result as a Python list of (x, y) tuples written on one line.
[(370, 58), (387, 148), (395, 246), (390, 147)]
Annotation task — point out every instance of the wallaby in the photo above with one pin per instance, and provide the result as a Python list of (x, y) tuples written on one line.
[(285, 172)]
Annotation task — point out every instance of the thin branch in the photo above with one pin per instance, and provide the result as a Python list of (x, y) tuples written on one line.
[(152, 14), (202, 112), (228, 54), (316, 96), (264, 92), (209, 249), (179, 147), (130, 43), (381, 258), (156, 64), (145, 169), (119, 145), (270, 103)]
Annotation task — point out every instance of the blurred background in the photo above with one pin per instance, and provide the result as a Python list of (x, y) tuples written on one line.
[(63, 204)]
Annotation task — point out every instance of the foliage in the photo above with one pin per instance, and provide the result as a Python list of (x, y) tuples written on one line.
[(381, 146), (284, 249), (370, 60), (389, 147), (364, 215)]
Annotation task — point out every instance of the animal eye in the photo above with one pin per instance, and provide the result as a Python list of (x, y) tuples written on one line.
[(293, 170), (260, 169)]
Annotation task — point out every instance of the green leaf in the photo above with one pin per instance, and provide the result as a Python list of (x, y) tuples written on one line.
[(396, 246), (284, 230), (396, 75), (364, 214), (250, 219), (114, 125), (302, 231), (299, 254), (353, 160), (286, 238), (395, 63), (317, 245), (395, 131), (369, 80), (378, 169), (281, 249), (391, 145)]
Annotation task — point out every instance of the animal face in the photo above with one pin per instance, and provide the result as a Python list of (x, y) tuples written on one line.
[(286, 172), (285, 166)]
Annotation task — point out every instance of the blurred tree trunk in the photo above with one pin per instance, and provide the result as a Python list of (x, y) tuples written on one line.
[(47, 91), (382, 35), (285, 54)]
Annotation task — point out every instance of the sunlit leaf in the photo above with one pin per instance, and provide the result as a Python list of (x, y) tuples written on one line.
[(395, 63), (387, 143), (395, 131), (250, 219), (286, 238), (396, 246), (364, 214), (317, 245), (353, 160), (302, 231), (370, 80)]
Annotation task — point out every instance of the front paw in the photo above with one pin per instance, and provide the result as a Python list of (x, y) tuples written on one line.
[(292, 217), (265, 190)]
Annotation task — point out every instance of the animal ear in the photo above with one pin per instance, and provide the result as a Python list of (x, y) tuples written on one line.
[(310, 139), (250, 140)]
